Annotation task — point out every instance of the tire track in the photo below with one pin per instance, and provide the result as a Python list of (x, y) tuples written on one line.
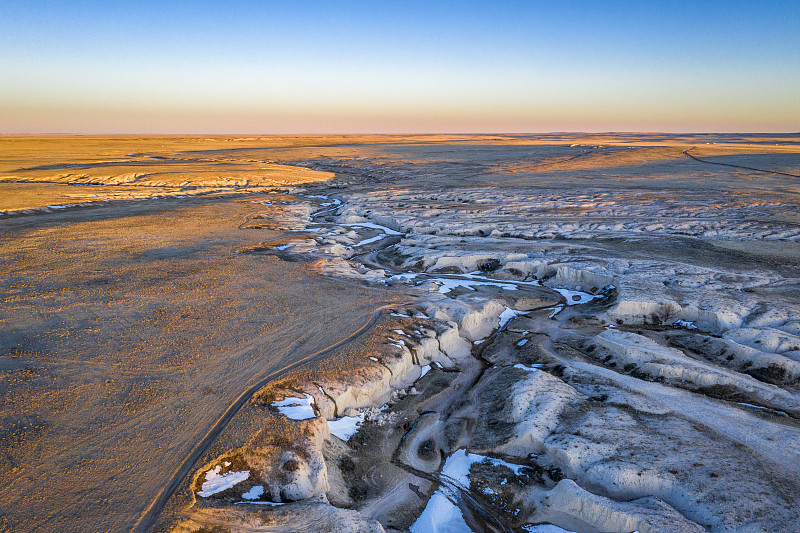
[(686, 152), (151, 514)]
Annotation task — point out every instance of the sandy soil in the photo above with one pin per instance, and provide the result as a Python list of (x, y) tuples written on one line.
[(127, 330)]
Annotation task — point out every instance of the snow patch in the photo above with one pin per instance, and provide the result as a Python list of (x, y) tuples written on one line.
[(425, 369), (255, 492), (346, 426), (507, 315), (296, 408), (216, 482), (370, 225)]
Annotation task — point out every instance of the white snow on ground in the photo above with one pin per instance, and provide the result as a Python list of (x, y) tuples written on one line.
[(456, 468), (216, 482), (370, 240), (530, 368), (400, 332), (555, 310), (583, 297), (397, 342), (400, 315), (346, 426), (477, 275), (57, 206), (685, 324), (370, 225), (545, 528), (296, 408), (425, 369), (254, 493), (259, 503), (403, 278), (448, 284), (373, 359), (523, 342), (474, 279), (440, 516), (507, 315)]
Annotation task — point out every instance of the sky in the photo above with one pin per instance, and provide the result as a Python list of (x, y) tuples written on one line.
[(344, 66)]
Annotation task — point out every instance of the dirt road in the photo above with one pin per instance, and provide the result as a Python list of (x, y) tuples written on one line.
[(127, 332)]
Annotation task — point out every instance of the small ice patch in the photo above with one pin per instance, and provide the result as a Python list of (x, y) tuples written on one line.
[(425, 369), (555, 310), (523, 342), (259, 503), (346, 426), (369, 240), (685, 324), (400, 332), (216, 482), (576, 297), (488, 491), (296, 408), (284, 247), (448, 284), (404, 278), (373, 359), (479, 341), (57, 206), (507, 315), (457, 466), (370, 225), (531, 368), (255, 492), (400, 315)]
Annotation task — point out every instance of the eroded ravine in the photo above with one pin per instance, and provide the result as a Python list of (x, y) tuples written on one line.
[(554, 394)]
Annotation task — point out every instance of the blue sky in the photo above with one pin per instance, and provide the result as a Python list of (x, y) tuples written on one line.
[(316, 67)]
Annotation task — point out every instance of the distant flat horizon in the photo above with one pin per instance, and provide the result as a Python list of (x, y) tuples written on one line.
[(255, 135)]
